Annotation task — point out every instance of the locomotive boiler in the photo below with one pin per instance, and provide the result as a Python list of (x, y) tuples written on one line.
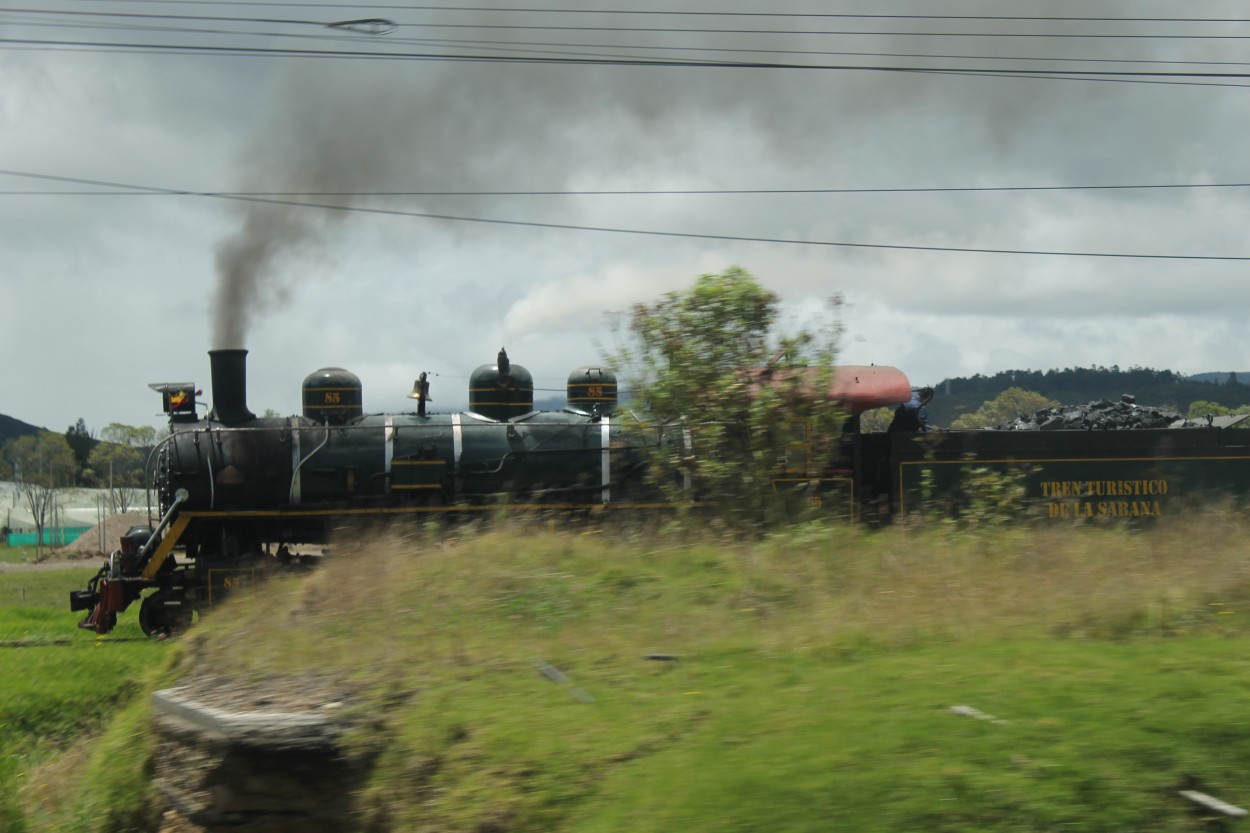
[(236, 491)]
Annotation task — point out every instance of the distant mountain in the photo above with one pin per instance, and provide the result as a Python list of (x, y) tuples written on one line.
[(1221, 377), (11, 428)]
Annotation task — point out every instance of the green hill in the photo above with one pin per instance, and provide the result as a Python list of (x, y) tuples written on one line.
[(823, 678), (1075, 386), (11, 428)]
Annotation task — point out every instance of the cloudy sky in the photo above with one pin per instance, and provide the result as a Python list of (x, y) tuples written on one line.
[(947, 175)]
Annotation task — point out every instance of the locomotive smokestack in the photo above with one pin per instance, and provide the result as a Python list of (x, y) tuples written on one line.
[(229, 370)]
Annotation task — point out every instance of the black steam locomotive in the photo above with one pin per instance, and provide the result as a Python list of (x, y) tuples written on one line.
[(232, 487), (236, 491)]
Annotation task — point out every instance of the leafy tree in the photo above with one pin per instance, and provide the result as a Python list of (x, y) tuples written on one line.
[(1200, 408), (705, 363), (41, 464), (1007, 406), (80, 441), (118, 469), (116, 463), (135, 436), (876, 421)]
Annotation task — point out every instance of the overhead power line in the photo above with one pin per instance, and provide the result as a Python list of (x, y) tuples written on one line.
[(563, 53), (141, 191), (827, 32), (685, 12), (557, 48), (375, 26), (807, 32), (628, 231), (514, 27), (574, 58), (512, 45), (1091, 75), (368, 26)]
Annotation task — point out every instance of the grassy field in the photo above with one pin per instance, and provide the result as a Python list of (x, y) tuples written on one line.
[(60, 685), (826, 678), (17, 555)]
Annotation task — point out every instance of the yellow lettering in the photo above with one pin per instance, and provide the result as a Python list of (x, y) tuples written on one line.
[(1124, 488), (1142, 507)]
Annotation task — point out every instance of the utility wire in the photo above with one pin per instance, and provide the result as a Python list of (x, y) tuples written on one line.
[(688, 13), (837, 32), (624, 62), (612, 59), (368, 26), (633, 231), (331, 32), (143, 16), (691, 30), (1074, 75), (461, 42), (826, 32), (558, 48), (140, 191), (511, 45)]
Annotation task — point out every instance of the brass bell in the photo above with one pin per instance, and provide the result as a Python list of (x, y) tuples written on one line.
[(421, 389), (421, 393)]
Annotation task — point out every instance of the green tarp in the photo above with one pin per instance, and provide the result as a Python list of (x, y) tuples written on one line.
[(52, 537)]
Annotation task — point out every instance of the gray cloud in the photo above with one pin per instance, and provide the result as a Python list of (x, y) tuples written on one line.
[(396, 295)]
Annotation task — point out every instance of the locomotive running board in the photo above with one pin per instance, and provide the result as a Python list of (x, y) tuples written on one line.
[(416, 510)]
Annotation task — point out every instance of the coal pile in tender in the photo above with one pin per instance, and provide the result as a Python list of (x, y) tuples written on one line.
[(1103, 415)]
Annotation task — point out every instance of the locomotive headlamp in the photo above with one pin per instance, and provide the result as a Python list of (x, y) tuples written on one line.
[(134, 539)]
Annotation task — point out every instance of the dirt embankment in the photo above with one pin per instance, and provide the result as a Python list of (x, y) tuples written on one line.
[(88, 544)]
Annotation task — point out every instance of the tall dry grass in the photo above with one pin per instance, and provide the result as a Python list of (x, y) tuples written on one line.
[(426, 598), (1074, 581)]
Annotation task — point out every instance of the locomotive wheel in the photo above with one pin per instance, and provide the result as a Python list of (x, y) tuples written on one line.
[(160, 620)]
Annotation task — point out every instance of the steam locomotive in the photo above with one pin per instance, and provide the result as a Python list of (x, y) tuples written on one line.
[(234, 487), (236, 491), (238, 494)]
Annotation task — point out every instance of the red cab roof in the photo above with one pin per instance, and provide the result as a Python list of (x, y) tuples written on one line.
[(857, 387)]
